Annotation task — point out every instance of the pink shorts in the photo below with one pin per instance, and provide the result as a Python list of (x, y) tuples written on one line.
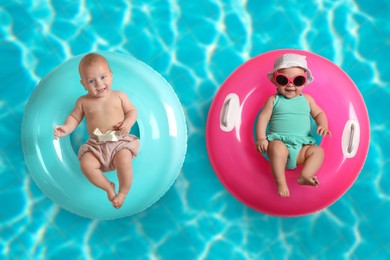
[(106, 151)]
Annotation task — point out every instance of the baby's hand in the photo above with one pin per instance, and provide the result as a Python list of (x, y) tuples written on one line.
[(123, 128), (60, 131), (262, 145), (323, 131)]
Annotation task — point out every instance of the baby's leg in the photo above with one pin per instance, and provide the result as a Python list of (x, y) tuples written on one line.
[(278, 153), (311, 157), (123, 165), (90, 166)]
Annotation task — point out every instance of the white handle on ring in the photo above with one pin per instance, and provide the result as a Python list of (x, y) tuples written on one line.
[(230, 112), (351, 138)]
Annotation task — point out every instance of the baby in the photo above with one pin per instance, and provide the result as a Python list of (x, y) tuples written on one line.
[(109, 117), (288, 142)]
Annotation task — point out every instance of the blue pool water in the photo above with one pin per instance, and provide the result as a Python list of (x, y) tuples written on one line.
[(195, 45)]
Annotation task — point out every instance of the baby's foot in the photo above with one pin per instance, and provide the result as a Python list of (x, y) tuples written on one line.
[(311, 181), (111, 192), (283, 190), (118, 201)]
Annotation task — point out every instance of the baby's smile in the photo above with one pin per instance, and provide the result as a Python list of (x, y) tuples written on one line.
[(291, 91), (101, 90)]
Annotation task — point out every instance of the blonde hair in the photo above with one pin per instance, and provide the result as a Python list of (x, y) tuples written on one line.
[(91, 58)]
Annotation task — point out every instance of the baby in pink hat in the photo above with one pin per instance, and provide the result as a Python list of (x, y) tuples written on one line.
[(288, 142)]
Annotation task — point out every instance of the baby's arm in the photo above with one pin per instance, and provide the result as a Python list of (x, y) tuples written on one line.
[(130, 115), (261, 125), (319, 117), (71, 122)]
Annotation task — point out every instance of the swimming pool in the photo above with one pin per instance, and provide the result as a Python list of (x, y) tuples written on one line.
[(195, 45)]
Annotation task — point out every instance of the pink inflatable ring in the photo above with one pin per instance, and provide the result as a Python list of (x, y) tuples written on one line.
[(246, 174)]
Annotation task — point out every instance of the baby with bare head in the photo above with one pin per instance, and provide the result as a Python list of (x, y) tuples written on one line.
[(109, 116)]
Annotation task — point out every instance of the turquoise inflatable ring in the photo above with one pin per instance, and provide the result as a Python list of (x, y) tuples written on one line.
[(54, 165)]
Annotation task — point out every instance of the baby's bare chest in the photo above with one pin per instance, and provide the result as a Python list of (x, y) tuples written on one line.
[(106, 108)]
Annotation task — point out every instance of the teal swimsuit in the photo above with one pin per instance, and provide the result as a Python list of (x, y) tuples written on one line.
[(290, 123)]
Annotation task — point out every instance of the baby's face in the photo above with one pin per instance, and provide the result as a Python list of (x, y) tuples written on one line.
[(290, 90), (96, 78)]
